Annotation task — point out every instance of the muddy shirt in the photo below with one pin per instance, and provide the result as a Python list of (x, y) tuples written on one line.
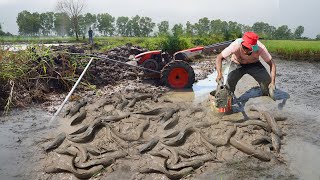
[(240, 58)]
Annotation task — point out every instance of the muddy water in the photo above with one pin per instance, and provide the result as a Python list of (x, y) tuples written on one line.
[(20, 134), (19, 47), (200, 90), (297, 94)]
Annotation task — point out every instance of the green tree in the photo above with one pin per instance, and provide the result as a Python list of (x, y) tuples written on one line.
[(298, 32), (163, 27), (189, 29), (216, 27), (46, 22), (129, 29), (177, 29), (106, 24), (122, 25), (135, 26), (283, 32), (203, 26), (264, 30), (225, 30), (62, 24), (73, 8), (318, 37), (29, 24), (234, 29), (246, 28), (146, 26), (1, 32)]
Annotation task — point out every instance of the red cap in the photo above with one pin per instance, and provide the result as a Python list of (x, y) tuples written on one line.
[(249, 39)]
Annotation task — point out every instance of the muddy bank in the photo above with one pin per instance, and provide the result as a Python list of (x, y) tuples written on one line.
[(27, 76)]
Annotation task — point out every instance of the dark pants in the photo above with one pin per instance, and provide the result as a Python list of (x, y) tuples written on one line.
[(256, 70)]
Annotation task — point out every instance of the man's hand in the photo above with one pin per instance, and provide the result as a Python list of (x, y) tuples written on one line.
[(219, 78), (272, 88)]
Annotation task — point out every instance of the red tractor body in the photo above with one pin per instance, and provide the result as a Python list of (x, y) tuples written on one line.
[(174, 72), (148, 55)]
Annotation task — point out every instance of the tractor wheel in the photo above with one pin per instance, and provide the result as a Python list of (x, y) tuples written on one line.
[(177, 75), (150, 64)]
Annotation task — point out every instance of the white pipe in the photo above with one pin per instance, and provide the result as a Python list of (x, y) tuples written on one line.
[(70, 93)]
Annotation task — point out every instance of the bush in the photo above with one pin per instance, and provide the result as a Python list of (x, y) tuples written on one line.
[(174, 43)]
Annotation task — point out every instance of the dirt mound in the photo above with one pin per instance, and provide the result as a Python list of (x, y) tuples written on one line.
[(49, 70)]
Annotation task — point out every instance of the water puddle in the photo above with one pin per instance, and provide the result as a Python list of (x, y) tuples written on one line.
[(304, 158), (200, 90), (19, 47)]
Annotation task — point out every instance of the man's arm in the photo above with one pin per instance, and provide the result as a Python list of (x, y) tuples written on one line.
[(224, 54), (219, 67), (272, 71), (266, 56)]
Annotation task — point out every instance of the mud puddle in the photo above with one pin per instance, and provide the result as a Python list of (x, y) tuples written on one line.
[(20, 133), (304, 156)]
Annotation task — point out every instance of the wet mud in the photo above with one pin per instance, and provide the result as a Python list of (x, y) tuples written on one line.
[(126, 137)]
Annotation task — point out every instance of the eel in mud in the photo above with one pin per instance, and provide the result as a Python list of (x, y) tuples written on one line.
[(171, 133), (123, 104), (272, 123), (75, 150), (194, 162), (174, 156), (105, 160), (185, 132), (168, 114), (241, 116), (76, 108), (261, 140), (264, 156), (70, 151), (134, 136), (172, 122), (87, 135), (221, 140), (132, 102), (79, 117), (169, 173), (56, 142), (180, 138), (80, 130), (278, 116), (150, 145), (276, 142), (139, 98), (83, 152), (254, 122), (115, 118), (208, 145), (94, 151), (79, 173), (155, 111)]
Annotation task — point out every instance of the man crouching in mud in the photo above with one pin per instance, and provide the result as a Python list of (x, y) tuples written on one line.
[(245, 53)]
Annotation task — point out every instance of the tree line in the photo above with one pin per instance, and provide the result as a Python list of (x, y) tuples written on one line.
[(64, 24), (2, 33)]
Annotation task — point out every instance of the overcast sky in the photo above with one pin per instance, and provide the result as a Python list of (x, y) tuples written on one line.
[(275, 12)]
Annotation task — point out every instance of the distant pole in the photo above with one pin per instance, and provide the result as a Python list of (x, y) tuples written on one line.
[(70, 93)]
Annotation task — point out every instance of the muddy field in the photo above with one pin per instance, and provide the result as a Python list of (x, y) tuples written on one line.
[(136, 130)]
